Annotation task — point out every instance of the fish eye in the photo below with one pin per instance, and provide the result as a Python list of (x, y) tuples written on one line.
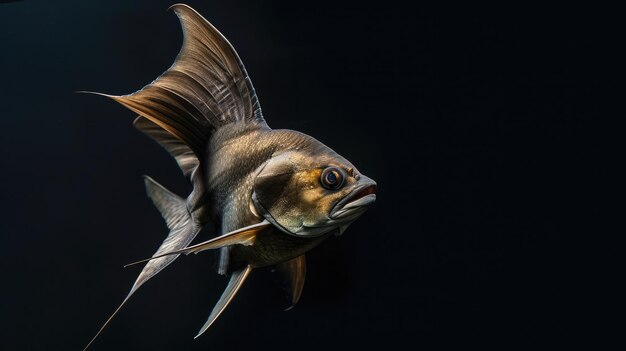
[(332, 178)]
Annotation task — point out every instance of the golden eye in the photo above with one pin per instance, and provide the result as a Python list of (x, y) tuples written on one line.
[(332, 178)]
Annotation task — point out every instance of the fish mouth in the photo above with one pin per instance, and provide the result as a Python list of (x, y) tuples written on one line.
[(356, 202)]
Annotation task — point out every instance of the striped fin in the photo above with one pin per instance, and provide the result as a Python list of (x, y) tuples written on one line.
[(206, 87)]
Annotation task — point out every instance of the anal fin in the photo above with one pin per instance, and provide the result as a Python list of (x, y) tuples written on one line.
[(294, 272), (236, 281)]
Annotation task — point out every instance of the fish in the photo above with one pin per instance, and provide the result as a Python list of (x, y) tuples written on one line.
[(271, 194)]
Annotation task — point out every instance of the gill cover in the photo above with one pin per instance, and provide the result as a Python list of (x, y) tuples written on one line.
[(273, 186), (287, 193)]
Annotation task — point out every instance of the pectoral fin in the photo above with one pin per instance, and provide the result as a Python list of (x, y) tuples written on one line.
[(243, 236), (294, 272), (236, 281)]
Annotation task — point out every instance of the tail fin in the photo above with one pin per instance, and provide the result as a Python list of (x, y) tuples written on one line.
[(177, 218), (171, 206), (182, 231), (206, 87)]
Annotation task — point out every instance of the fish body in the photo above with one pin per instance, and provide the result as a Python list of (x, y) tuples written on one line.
[(271, 194), (237, 161)]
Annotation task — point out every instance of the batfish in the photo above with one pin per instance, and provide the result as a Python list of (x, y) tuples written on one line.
[(272, 194)]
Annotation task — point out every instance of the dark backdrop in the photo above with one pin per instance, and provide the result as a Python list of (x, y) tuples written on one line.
[(476, 123)]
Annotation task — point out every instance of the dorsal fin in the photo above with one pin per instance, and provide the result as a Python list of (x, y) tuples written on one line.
[(184, 156), (206, 87)]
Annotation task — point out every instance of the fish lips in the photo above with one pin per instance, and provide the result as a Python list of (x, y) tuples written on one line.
[(356, 202)]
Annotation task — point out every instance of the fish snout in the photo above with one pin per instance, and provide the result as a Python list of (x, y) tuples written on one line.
[(368, 183), (357, 201)]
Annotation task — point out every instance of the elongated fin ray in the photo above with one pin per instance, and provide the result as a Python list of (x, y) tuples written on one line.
[(236, 280), (243, 236), (109, 319), (294, 271), (182, 231)]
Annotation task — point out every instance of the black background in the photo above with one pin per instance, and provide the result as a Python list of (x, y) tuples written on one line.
[(477, 124)]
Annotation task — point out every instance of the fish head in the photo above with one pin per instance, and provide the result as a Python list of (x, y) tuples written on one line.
[(311, 191)]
